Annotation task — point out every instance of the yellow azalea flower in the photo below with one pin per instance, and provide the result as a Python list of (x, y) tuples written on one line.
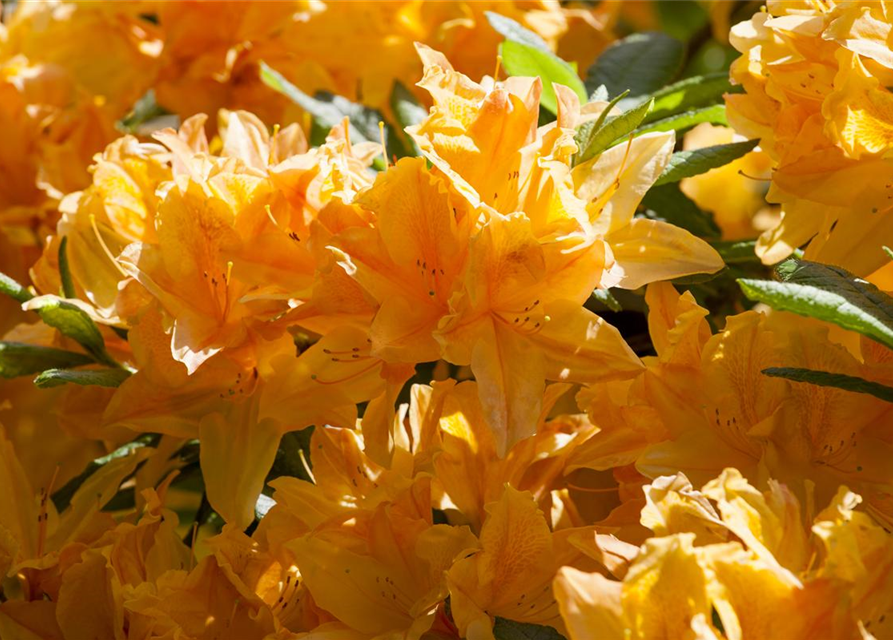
[(734, 193), (746, 556), (479, 135), (814, 78), (518, 321), (117, 209), (381, 571), (484, 138), (36, 540), (204, 69), (725, 410), (612, 185), (241, 403), (54, 131), (858, 552), (661, 596), (109, 50), (469, 471), (511, 575), (410, 261)]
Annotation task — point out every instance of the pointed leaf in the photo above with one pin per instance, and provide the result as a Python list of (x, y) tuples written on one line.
[(65, 270), (92, 377), (685, 164), (18, 359), (715, 114), (697, 91), (523, 60), (836, 380), (514, 31), (73, 322), (827, 293), (13, 289), (642, 63), (614, 128)]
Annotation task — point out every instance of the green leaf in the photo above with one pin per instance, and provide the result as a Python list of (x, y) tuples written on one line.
[(698, 91), (736, 251), (73, 322), (62, 498), (605, 297), (827, 293), (669, 204), (614, 128), (514, 31), (13, 289), (642, 63), (836, 380), (685, 164), (19, 359), (585, 131), (889, 252), (328, 110), (504, 629), (715, 114), (65, 270), (84, 377), (524, 60)]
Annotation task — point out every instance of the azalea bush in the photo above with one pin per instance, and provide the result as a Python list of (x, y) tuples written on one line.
[(432, 320)]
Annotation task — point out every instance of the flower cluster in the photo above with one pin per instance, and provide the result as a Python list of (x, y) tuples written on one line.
[(293, 387), (816, 76)]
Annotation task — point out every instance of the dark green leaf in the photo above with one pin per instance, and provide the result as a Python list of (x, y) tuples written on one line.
[(685, 164), (605, 297), (736, 251), (13, 289), (836, 380), (691, 93), (504, 629), (85, 377), (73, 322), (614, 128), (18, 359), (715, 114), (524, 60), (827, 293), (514, 31), (642, 63), (62, 498), (65, 270), (668, 203)]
